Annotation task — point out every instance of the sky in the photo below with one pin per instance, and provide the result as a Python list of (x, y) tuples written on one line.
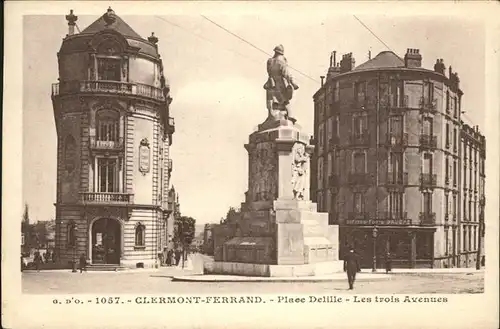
[(216, 84)]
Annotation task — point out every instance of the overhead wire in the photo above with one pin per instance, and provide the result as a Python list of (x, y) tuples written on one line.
[(255, 47)]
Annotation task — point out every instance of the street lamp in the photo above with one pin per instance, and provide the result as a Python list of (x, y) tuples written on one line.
[(374, 235), (74, 229)]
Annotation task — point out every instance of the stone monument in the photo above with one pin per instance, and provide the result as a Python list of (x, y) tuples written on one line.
[(279, 232)]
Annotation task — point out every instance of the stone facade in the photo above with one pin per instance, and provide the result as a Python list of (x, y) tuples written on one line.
[(280, 232), (114, 130), (388, 163)]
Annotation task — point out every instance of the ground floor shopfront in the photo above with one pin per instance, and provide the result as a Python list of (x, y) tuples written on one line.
[(113, 236), (409, 247)]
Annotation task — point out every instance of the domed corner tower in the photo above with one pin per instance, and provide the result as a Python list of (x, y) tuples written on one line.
[(114, 130)]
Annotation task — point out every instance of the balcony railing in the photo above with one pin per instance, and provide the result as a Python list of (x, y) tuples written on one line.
[(359, 179), (106, 197), (397, 178), (428, 105), (396, 140), (428, 180), (362, 139), (427, 218), (393, 215), (97, 144), (396, 102), (428, 141), (114, 87)]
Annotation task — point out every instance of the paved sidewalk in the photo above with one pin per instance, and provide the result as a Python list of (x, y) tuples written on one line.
[(427, 270)]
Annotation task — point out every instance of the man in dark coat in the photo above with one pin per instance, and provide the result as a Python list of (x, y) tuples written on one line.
[(83, 263), (351, 265), (388, 262)]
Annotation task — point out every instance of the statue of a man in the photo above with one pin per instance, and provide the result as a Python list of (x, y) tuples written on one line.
[(299, 171), (279, 86)]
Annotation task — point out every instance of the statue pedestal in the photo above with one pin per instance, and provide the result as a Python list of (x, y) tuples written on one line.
[(277, 234)]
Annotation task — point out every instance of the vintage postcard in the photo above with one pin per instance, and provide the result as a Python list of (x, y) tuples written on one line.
[(250, 165)]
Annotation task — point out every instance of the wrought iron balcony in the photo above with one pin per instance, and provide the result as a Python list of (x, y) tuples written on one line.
[(428, 180), (428, 105), (397, 179), (427, 218), (108, 87), (362, 139), (398, 103), (97, 144), (396, 140), (170, 125), (106, 197), (359, 179), (428, 141)]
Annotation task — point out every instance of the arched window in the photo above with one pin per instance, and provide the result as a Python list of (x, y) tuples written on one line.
[(70, 154), (140, 232), (107, 125)]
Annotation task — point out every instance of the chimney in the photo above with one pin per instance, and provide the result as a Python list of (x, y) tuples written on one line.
[(347, 63), (334, 68), (71, 18), (413, 58)]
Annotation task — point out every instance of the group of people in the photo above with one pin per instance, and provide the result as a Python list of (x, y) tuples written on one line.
[(171, 257), (38, 259), (352, 265)]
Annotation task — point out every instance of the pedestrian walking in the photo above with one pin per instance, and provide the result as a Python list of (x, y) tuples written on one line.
[(388, 262), (351, 266), (38, 261), (177, 257), (83, 263), (169, 257)]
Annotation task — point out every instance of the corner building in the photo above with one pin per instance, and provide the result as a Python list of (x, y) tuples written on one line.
[(114, 131), (388, 162)]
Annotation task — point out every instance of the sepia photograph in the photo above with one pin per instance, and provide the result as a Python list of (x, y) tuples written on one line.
[(249, 158)]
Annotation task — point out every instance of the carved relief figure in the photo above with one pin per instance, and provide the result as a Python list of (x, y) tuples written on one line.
[(299, 171), (263, 172), (279, 86)]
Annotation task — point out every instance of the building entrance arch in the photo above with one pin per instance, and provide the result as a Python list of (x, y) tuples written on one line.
[(106, 241)]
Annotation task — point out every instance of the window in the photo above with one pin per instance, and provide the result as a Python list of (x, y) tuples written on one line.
[(464, 237), (320, 173), (107, 125), (70, 154), (107, 175), (455, 107), (427, 203), (446, 170), (360, 92), (396, 125), (447, 135), (330, 164), (428, 92), (359, 125), (321, 138), (336, 91), (337, 164), (455, 141), (329, 128), (395, 167), (328, 200), (476, 247), (454, 172), (359, 202), (109, 69), (335, 127), (427, 166), (359, 163), (446, 205), (454, 210), (140, 234), (427, 126), (395, 204), (447, 101)]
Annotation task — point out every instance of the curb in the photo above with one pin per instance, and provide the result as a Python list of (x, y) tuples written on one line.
[(223, 278)]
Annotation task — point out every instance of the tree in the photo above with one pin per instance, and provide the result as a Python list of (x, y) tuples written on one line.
[(27, 229), (232, 215), (184, 231)]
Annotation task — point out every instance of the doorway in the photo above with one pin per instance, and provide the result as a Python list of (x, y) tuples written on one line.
[(106, 241)]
